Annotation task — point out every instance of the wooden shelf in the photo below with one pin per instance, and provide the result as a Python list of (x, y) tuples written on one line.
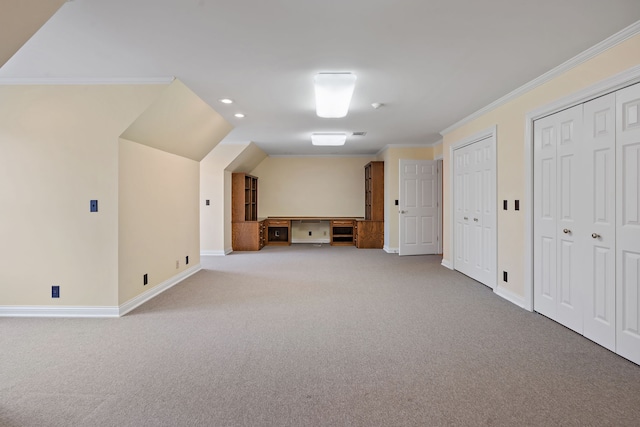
[(247, 233)]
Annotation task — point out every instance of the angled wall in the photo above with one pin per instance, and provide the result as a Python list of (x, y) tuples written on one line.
[(58, 151)]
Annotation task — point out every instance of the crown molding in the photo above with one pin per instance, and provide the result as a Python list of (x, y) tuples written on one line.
[(319, 155), (85, 80), (423, 145), (581, 58)]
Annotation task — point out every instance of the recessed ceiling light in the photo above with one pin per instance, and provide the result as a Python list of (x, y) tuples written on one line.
[(226, 101), (239, 115), (328, 138), (333, 94)]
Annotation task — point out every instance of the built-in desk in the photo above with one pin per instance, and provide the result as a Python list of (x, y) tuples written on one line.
[(342, 229)]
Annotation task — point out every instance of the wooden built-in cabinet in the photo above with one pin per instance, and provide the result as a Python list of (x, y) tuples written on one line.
[(370, 231), (374, 191), (369, 234), (250, 234), (247, 233), (342, 232), (278, 231)]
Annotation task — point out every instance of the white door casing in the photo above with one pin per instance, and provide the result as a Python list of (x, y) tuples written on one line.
[(597, 241), (628, 223), (418, 207)]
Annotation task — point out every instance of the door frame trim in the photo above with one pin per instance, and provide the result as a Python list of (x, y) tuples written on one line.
[(490, 132), (611, 84)]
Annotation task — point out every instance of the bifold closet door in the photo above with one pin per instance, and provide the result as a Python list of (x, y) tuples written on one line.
[(598, 239), (628, 223), (558, 225), (475, 211)]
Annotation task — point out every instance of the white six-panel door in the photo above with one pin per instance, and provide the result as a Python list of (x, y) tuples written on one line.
[(418, 207), (628, 223), (558, 200)]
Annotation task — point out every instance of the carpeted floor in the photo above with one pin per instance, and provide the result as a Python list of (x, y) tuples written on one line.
[(314, 336)]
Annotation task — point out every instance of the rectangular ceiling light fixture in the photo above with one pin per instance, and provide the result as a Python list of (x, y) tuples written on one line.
[(333, 94), (328, 138)]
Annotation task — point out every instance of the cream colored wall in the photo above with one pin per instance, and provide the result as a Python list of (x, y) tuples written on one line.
[(311, 186), (215, 185), (391, 157), (320, 232), (158, 217), (213, 233), (59, 150), (510, 121)]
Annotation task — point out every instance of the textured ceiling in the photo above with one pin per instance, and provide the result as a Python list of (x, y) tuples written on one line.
[(431, 62)]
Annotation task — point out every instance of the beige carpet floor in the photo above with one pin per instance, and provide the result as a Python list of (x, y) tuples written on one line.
[(314, 336)]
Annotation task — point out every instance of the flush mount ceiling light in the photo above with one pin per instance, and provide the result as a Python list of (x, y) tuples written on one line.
[(239, 115), (333, 94), (226, 101), (328, 138)]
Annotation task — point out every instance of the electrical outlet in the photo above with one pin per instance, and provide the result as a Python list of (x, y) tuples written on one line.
[(309, 233), (517, 203), (206, 202), (505, 204), (55, 291), (93, 206), (504, 276), (186, 261), (145, 279)]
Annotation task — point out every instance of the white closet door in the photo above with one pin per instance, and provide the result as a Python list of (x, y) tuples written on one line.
[(599, 237), (475, 211), (628, 223), (484, 215), (544, 202), (462, 211), (558, 202)]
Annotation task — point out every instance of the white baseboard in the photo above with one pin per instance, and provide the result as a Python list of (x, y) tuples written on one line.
[(158, 289), (447, 263), (316, 241), (57, 311), (106, 311), (510, 296), (389, 250), (227, 251)]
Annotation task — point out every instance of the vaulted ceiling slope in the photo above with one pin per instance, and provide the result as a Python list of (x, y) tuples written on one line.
[(430, 62), (19, 20)]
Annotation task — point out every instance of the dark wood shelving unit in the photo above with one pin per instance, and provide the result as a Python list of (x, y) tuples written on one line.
[(370, 231), (247, 233)]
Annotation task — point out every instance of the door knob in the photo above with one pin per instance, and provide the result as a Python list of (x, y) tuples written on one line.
[(403, 212), (465, 218), (595, 235), (475, 219), (566, 231)]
